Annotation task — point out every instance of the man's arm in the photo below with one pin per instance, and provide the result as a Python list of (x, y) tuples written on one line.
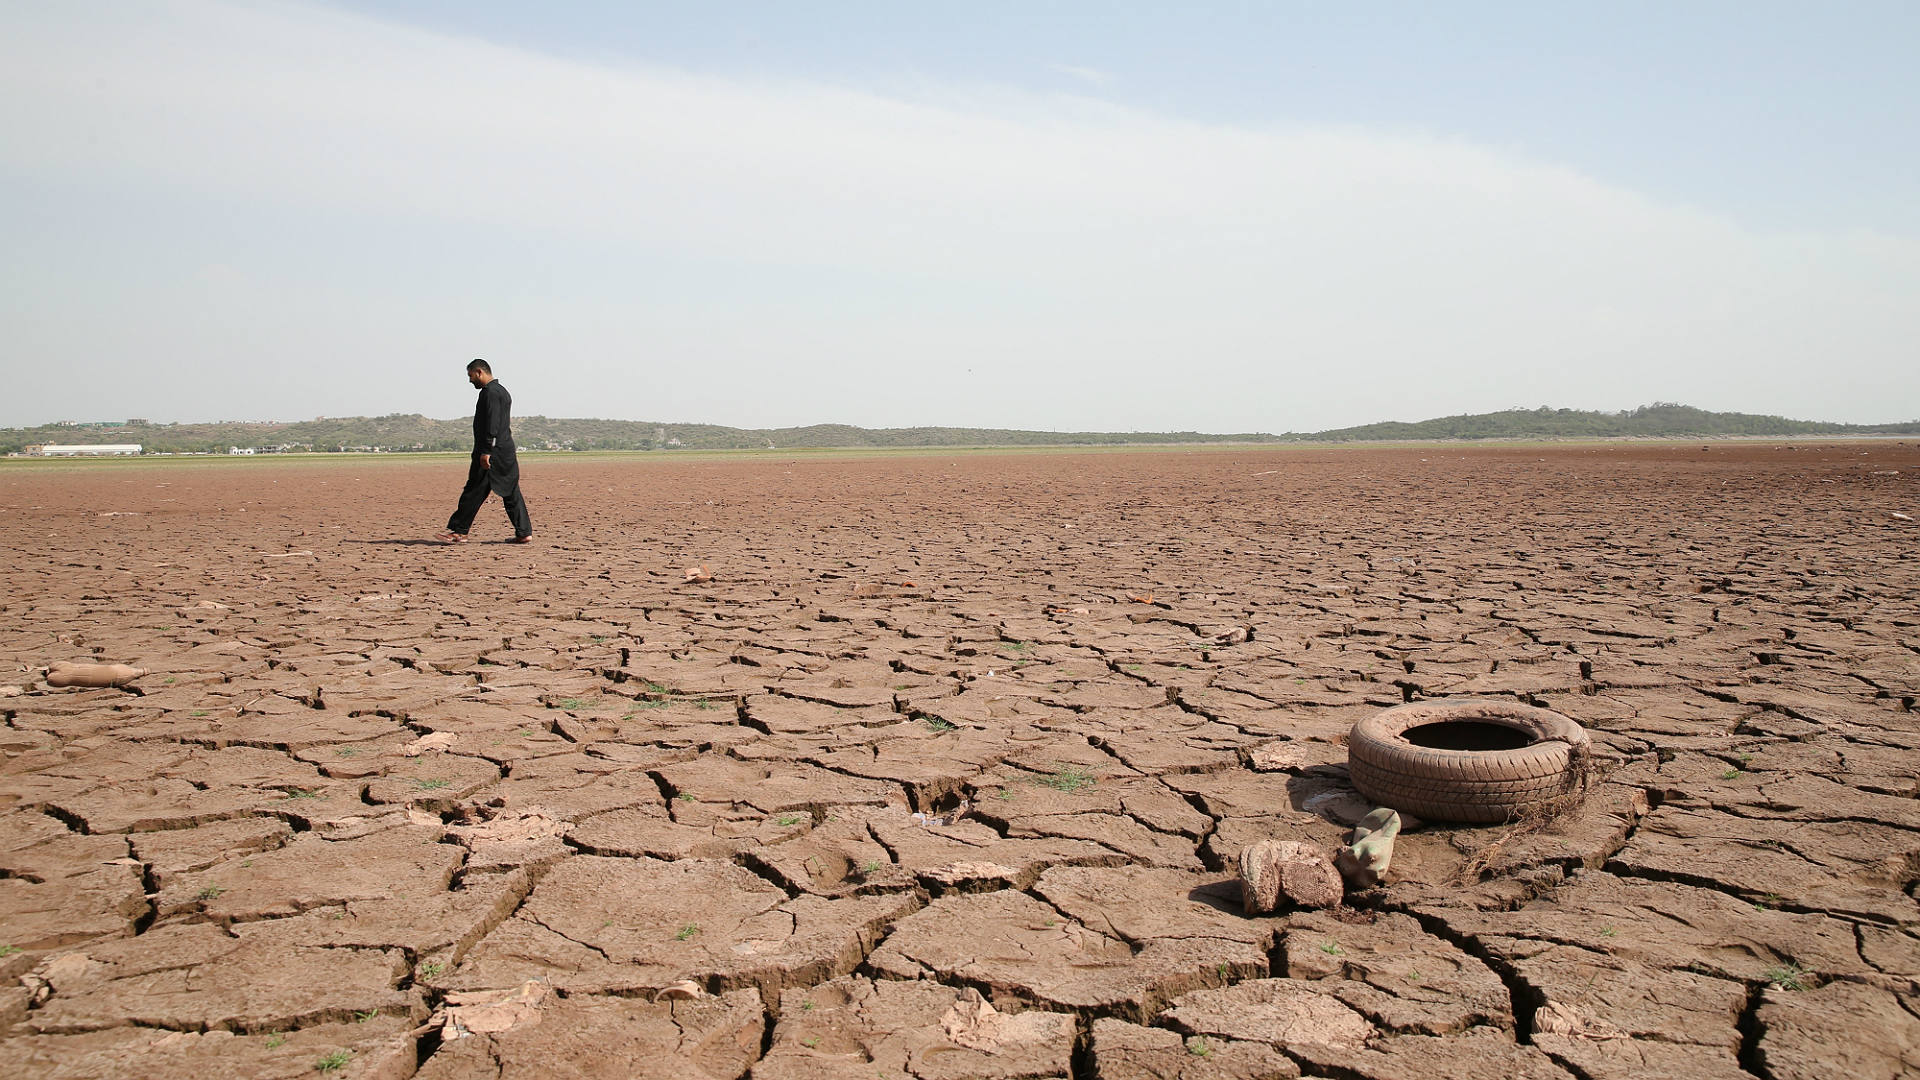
[(499, 414), (498, 405)]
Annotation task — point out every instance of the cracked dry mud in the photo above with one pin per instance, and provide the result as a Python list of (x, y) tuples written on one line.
[(945, 772)]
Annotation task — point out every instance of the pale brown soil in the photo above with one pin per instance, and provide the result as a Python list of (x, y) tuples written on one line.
[(230, 868)]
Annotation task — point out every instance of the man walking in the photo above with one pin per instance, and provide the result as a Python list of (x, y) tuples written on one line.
[(495, 467)]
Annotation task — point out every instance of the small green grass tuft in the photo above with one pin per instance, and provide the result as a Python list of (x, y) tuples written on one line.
[(276, 1040), (870, 866), (1199, 1047), (938, 724), (1788, 976), (301, 793), (790, 819), (431, 785), (705, 703), (807, 1004), (198, 713), (9, 950), (334, 1062), (1332, 948), (685, 796), (209, 893), (1068, 778), (687, 931), (432, 969)]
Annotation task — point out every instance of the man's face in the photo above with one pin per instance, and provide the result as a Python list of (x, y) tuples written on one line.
[(478, 378)]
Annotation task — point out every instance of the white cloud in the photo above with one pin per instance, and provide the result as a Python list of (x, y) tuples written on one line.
[(826, 254)]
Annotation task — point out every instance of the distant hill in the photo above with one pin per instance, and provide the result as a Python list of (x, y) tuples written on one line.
[(1661, 420), (411, 431), (400, 432)]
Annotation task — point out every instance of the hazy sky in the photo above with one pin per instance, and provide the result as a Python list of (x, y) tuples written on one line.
[(1099, 215)]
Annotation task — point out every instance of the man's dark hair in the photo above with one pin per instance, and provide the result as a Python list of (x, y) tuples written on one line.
[(480, 365)]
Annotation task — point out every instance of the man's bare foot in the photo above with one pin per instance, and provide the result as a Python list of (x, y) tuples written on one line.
[(527, 539), (451, 537)]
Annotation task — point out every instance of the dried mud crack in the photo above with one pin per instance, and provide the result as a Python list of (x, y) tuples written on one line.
[(944, 771)]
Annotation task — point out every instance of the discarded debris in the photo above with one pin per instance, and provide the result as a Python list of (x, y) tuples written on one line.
[(1558, 1018), (286, 555), (1371, 853), (955, 873), (1298, 872), (70, 674), (684, 990), (53, 973), (940, 820), (425, 744), (1147, 599), (512, 826), (1898, 516), (973, 1022), (489, 1012), (698, 575)]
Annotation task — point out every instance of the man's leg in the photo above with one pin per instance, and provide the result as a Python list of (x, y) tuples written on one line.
[(471, 497), (517, 512)]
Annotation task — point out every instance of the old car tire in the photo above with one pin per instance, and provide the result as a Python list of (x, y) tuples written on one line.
[(1544, 764)]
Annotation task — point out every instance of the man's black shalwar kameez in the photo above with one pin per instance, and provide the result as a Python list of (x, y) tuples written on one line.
[(493, 436)]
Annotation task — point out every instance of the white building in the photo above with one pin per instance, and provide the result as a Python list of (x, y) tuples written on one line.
[(101, 450)]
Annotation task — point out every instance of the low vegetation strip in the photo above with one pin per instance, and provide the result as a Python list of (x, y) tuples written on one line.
[(413, 432)]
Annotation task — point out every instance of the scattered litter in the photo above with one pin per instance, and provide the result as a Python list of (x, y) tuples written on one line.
[(131, 513), (11, 691), (1898, 516), (1887, 472), (207, 605), (69, 674), (698, 575), (1371, 853), (382, 596), (490, 1012), (1276, 757), (1270, 472), (1339, 804), (950, 817), (286, 555), (955, 873), (439, 740), (1557, 1018), (1147, 599), (973, 1022), (1273, 870), (54, 974), (512, 826), (684, 990)]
